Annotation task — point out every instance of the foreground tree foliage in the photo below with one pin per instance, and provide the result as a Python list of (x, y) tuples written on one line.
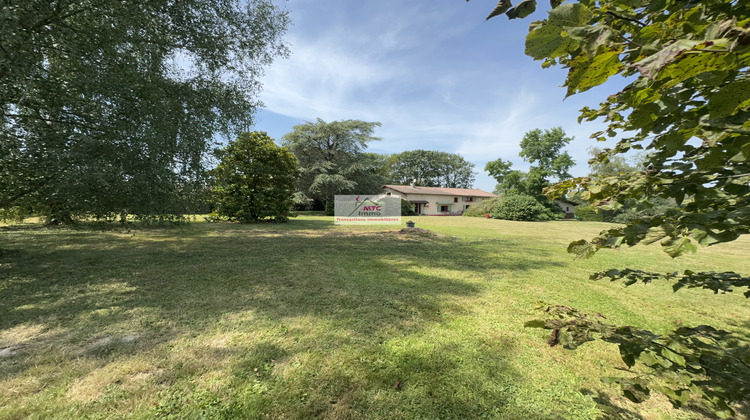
[(686, 362), (631, 209), (687, 108), (255, 179), (108, 107)]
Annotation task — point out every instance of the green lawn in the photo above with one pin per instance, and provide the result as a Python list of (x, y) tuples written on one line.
[(308, 320)]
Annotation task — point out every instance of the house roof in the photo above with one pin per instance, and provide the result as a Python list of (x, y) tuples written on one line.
[(566, 201), (461, 192)]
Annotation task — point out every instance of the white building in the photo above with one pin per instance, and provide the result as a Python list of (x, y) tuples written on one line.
[(437, 201)]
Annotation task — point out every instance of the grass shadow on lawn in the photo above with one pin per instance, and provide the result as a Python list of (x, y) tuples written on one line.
[(255, 321)]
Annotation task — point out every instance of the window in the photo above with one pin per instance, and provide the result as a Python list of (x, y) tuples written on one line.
[(387, 193), (468, 199), (466, 207), (455, 199), (444, 209)]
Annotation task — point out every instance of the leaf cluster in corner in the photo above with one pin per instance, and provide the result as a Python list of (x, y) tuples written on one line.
[(683, 364)]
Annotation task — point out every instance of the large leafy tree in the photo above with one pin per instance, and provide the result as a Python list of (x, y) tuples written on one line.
[(371, 172), (108, 106), (687, 105), (431, 168), (544, 151), (457, 172), (332, 158), (255, 179)]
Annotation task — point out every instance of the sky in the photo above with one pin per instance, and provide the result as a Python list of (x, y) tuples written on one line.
[(434, 73)]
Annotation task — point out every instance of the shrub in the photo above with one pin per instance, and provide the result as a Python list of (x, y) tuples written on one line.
[(655, 207), (407, 208), (588, 213), (520, 207), (330, 209), (482, 208)]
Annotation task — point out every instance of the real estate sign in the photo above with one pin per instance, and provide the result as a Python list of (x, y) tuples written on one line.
[(366, 210)]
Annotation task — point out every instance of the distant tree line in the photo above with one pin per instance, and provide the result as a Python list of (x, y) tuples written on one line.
[(333, 160)]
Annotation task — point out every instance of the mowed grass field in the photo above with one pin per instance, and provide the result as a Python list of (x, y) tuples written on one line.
[(308, 320)]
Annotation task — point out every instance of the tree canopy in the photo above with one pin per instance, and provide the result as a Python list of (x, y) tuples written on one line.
[(431, 168), (255, 179), (331, 157), (110, 106), (686, 107), (544, 151)]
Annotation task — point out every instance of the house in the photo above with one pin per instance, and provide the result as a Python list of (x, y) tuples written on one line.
[(434, 201), (567, 206)]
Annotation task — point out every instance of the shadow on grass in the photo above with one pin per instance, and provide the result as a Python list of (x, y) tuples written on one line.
[(610, 409), (741, 345), (71, 294)]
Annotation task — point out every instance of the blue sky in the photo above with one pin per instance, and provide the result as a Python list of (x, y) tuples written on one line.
[(432, 72)]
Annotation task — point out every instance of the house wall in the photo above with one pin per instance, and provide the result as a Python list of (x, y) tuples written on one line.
[(568, 208), (433, 208)]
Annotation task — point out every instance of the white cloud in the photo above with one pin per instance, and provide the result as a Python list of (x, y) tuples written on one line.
[(352, 68), (433, 79), (498, 131), (319, 80)]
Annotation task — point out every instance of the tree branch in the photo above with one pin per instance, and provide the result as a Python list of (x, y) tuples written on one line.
[(626, 18)]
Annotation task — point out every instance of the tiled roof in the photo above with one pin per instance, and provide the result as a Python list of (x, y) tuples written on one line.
[(566, 201), (461, 192)]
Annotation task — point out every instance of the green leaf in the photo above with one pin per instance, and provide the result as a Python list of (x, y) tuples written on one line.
[(652, 64), (729, 99), (706, 237), (547, 41), (586, 73), (745, 149), (679, 246), (582, 249), (501, 7), (522, 10), (570, 14), (683, 67), (644, 115)]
